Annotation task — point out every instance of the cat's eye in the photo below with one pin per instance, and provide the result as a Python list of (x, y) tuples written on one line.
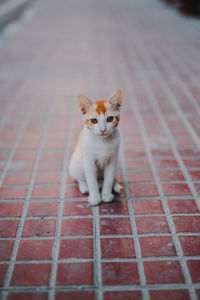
[(93, 120), (110, 119)]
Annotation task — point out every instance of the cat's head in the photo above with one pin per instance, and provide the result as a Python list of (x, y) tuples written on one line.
[(101, 117)]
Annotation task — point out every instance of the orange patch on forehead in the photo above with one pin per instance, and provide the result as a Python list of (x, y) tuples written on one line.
[(100, 107)]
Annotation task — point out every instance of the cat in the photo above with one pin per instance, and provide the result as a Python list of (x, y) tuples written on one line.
[(94, 161)]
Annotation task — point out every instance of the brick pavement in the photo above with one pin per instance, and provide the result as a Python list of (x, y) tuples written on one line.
[(146, 244)]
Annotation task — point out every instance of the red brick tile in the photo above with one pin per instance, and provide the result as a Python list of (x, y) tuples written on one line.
[(74, 273), (27, 295), (59, 134), (169, 295), (52, 155), (35, 249), (157, 246), (120, 273), (2, 164), (166, 163), (46, 208), (28, 144), (122, 295), (4, 155), (10, 209), (21, 165), (52, 143), (39, 227), (192, 163), (8, 228), (24, 155), (137, 164), (5, 249), (182, 206), (76, 227), (72, 295), (49, 165), (70, 180), (6, 145), (57, 123), (133, 142), (47, 178), (17, 178), (163, 272), (147, 206), (13, 192), (117, 247), (198, 293), (115, 226), (187, 223), (175, 189), (189, 151), (139, 175), (76, 248), (30, 274), (151, 224), (118, 207), (2, 273), (134, 153), (162, 152), (119, 176), (143, 190), (73, 192), (28, 135), (76, 208), (190, 244), (184, 141), (194, 268), (170, 175), (195, 174), (45, 191)]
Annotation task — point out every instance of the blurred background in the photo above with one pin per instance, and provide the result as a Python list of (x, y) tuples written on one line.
[(191, 7), (147, 242), (12, 9)]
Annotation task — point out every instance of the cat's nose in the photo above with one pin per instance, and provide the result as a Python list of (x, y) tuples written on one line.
[(102, 131)]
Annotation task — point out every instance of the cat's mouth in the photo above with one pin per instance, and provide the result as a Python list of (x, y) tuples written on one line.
[(104, 135)]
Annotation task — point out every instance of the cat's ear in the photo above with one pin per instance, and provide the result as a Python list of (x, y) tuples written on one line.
[(116, 100), (85, 103)]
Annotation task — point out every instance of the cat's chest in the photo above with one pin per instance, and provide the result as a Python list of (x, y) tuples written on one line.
[(102, 153), (102, 149), (102, 160)]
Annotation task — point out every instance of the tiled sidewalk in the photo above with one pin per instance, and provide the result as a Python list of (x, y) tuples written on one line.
[(146, 244)]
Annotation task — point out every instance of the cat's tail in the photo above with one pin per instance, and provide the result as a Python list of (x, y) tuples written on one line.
[(117, 187)]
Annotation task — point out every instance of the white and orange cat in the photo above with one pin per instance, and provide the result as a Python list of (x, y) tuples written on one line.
[(94, 161)]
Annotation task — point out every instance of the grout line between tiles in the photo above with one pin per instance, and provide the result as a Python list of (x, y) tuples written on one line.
[(97, 254), (132, 287)]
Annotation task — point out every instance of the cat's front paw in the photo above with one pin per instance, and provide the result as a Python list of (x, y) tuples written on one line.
[(107, 197), (94, 200)]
